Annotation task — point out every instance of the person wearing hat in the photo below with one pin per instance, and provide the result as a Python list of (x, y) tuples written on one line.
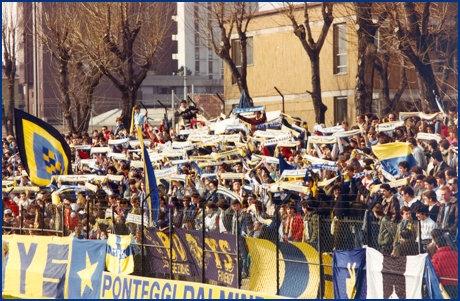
[(211, 220), (25, 179), (426, 225), (310, 223), (8, 218)]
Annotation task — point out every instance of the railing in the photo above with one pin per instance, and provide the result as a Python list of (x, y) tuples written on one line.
[(348, 233)]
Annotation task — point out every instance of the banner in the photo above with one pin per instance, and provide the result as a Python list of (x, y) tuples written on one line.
[(275, 124), (275, 141), (322, 139), (270, 134), (349, 274), (42, 149), (132, 287), (389, 126), (119, 257), (52, 267), (394, 277), (391, 154), (405, 115), (248, 110), (164, 173), (187, 254), (86, 267), (427, 136), (299, 278)]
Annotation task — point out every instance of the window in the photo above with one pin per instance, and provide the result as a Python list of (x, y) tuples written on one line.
[(210, 76), (210, 51), (197, 53), (340, 109), (197, 40), (237, 55), (197, 67), (197, 25), (340, 48), (210, 67)]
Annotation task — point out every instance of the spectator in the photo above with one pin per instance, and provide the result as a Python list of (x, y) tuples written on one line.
[(212, 217), (417, 152), (453, 185), (311, 223), (390, 203), (429, 198), (419, 187), (426, 225), (408, 245), (447, 219), (407, 223), (438, 163), (445, 263), (407, 195), (387, 230), (293, 225)]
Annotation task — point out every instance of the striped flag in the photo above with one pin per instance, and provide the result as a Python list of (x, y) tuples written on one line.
[(395, 277), (391, 154)]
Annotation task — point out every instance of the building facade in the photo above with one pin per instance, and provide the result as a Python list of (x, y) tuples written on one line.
[(279, 60)]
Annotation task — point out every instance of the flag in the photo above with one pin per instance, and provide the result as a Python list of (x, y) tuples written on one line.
[(283, 164), (245, 102), (86, 267), (433, 285), (43, 150), (119, 257), (151, 188), (390, 154), (299, 268), (131, 128), (349, 274), (395, 277)]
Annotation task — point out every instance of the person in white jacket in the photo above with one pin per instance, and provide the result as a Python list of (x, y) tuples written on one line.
[(211, 221)]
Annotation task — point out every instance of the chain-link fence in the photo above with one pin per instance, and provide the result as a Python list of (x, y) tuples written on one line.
[(287, 253)]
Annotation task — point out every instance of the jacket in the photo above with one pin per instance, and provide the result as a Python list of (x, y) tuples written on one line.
[(313, 224), (452, 217), (445, 263), (387, 232)]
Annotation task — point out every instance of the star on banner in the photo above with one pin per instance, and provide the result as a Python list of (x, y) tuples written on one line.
[(86, 274)]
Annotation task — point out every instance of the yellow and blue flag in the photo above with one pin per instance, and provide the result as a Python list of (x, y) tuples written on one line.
[(151, 187), (349, 274), (86, 267), (43, 150), (119, 257), (391, 154)]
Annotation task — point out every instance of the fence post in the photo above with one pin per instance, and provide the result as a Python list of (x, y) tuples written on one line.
[(278, 222), (170, 245), (203, 256), (21, 221), (87, 217), (63, 220), (419, 224), (368, 228), (321, 266), (142, 240), (238, 261)]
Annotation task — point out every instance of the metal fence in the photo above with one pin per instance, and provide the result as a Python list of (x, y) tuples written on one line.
[(231, 263)]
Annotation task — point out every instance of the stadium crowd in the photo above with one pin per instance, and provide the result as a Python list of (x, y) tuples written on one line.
[(421, 214)]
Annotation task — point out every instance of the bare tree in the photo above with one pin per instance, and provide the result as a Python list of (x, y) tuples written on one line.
[(121, 39), (10, 32), (219, 21), (76, 77), (312, 48)]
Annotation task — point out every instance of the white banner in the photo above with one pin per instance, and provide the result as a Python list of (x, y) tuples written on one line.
[(163, 173), (322, 139), (278, 139), (389, 126), (136, 219), (427, 136), (296, 173)]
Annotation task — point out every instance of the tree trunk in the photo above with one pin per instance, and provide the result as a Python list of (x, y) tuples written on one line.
[(64, 89), (319, 107), (128, 100), (366, 57), (10, 110)]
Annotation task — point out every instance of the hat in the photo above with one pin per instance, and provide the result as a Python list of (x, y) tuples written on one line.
[(8, 211), (24, 173), (252, 195), (9, 138)]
